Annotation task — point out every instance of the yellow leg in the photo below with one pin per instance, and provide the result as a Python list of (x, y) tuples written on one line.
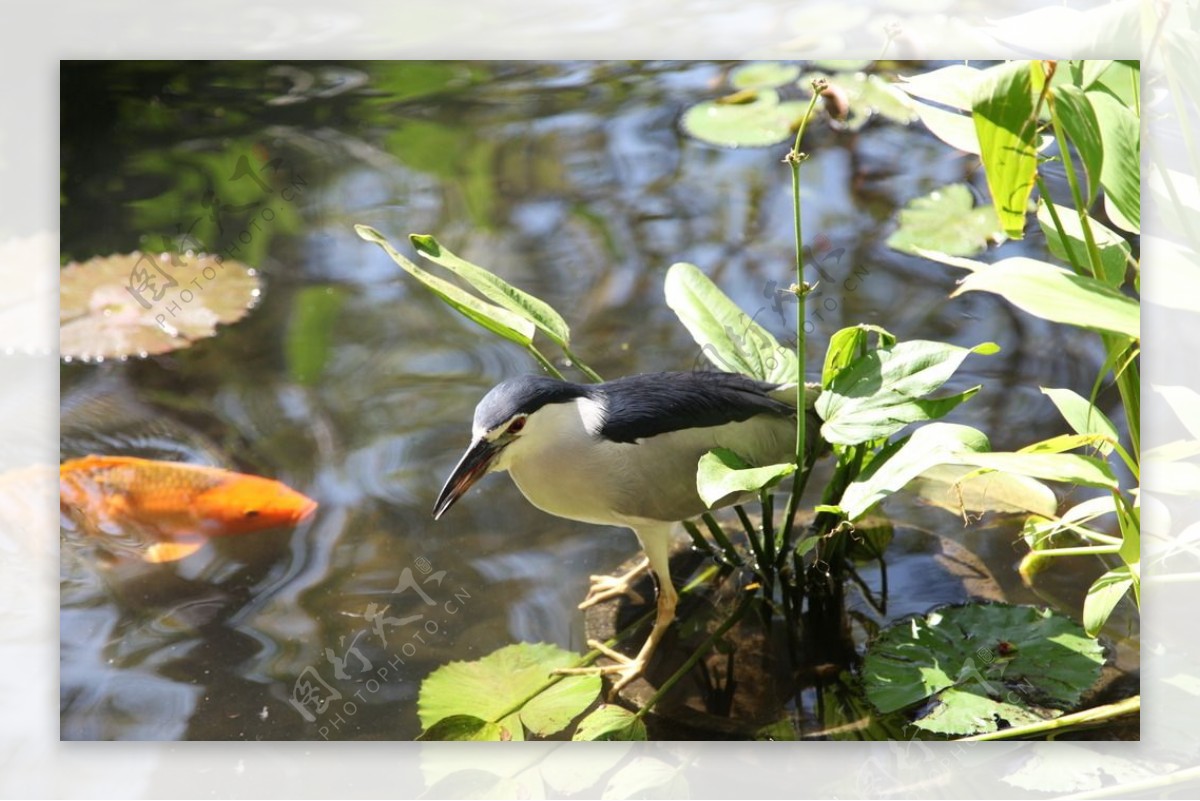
[(605, 588)]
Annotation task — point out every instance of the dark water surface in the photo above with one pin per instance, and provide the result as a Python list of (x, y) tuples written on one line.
[(355, 386)]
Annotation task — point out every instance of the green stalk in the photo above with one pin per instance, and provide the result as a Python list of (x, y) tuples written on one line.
[(1088, 717), (583, 368), (698, 540), (544, 362), (793, 159), (718, 534)]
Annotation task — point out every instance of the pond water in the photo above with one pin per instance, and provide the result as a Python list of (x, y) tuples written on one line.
[(352, 384)]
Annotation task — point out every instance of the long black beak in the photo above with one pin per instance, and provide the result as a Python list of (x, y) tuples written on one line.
[(471, 467)]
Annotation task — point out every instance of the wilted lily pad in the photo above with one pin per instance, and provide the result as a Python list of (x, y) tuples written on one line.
[(947, 220), (139, 304), (977, 668)]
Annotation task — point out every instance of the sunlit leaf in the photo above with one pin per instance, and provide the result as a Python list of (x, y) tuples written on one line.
[(1082, 416), (722, 473), (494, 318), (761, 122), (763, 75), (867, 96), (976, 667), (1103, 596), (961, 489), (499, 682), (496, 289), (1007, 131), (1069, 468), (465, 728), (1121, 173), (728, 337), (881, 392), (956, 130), (610, 722), (1056, 294), (1114, 250), (1083, 129), (952, 86), (946, 220), (849, 344), (140, 304)]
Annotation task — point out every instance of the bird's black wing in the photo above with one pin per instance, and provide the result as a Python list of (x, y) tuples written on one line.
[(643, 406)]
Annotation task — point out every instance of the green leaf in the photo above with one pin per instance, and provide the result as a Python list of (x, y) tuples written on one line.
[(465, 727), (610, 722), (956, 130), (494, 318), (883, 391), (1121, 173), (974, 666), (961, 489), (730, 339), (761, 122), (497, 290), (1079, 121), (1114, 250), (1066, 467), (902, 461), (1056, 294), (504, 681), (1082, 416), (952, 86), (722, 473), (764, 75), (550, 711), (1007, 131), (946, 220), (849, 344), (1103, 596)]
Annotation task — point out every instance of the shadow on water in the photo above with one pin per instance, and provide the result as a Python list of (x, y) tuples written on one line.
[(354, 386)]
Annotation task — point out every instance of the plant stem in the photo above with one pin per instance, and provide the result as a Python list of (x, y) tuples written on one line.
[(583, 368), (544, 362), (718, 534), (794, 159), (698, 540), (1088, 717)]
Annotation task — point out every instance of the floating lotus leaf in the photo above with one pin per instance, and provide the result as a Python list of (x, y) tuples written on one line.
[(756, 119), (977, 668), (139, 304)]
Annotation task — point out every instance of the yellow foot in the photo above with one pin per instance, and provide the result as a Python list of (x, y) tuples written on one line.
[(605, 588), (624, 669)]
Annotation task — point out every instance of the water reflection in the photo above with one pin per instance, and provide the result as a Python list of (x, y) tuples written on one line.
[(356, 387)]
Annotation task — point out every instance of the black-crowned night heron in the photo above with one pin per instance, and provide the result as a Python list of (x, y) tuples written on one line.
[(624, 453)]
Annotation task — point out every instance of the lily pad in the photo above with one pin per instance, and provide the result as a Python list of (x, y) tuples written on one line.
[(764, 75), (760, 122), (139, 304), (976, 668), (507, 688), (947, 220)]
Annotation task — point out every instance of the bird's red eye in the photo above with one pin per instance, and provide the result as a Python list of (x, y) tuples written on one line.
[(516, 425)]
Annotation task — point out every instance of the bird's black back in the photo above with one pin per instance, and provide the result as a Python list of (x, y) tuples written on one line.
[(641, 406)]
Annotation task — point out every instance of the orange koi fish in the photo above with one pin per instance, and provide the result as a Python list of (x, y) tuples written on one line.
[(177, 504)]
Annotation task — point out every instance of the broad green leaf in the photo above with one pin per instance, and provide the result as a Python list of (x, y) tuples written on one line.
[(761, 122), (1079, 121), (465, 727), (960, 489), (948, 221), (881, 392), (1082, 416), (1056, 294), (1066, 467), (497, 290), (1103, 596), (722, 473), (551, 710), (1114, 250), (763, 75), (952, 86), (1121, 79), (498, 684), (1121, 173), (1007, 131), (902, 461), (1037, 533), (971, 666), (1066, 442), (847, 345), (610, 722), (1084, 72), (498, 320), (729, 338)]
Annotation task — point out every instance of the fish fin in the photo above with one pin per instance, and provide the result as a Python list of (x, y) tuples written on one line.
[(172, 551)]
